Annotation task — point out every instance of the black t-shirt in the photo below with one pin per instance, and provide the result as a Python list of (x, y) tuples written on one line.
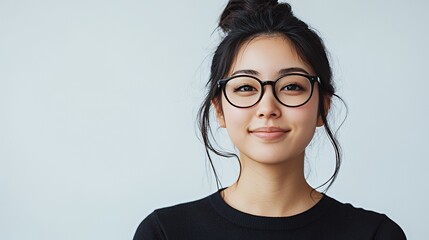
[(212, 218)]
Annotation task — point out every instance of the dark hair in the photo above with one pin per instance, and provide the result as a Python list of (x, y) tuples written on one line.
[(243, 20)]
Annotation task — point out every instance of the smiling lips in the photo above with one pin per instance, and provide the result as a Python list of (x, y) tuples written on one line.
[(269, 133)]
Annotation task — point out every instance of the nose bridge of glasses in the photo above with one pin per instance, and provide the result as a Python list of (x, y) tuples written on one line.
[(263, 92), (269, 82)]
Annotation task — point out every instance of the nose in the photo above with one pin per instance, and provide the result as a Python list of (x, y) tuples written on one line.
[(268, 106)]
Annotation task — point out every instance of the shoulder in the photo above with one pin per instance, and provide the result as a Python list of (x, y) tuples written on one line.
[(173, 219), (149, 229), (353, 219)]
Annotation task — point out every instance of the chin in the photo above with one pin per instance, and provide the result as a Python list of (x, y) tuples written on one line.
[(273, 158)]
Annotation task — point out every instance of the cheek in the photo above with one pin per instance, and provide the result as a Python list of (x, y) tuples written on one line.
[(309, 112), (305, 115), (304, 119), (236, 121), (234, 117)]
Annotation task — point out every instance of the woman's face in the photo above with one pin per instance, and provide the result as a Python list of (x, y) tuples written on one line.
[(270, 132)]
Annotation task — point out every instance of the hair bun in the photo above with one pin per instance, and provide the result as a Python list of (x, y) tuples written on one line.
[(235, 8)]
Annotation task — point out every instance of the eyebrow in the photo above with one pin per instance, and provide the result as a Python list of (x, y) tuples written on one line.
[(281, 71)]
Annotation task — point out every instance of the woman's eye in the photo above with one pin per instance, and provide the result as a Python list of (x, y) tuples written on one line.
[(245, 88), (293, 87)]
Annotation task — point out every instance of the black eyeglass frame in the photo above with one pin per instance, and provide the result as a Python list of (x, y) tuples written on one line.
[(222, 83)]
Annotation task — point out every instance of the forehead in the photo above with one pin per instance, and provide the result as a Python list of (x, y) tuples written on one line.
[(267, 54)]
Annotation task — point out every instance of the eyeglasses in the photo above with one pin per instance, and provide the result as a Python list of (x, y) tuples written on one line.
[(291, 90)]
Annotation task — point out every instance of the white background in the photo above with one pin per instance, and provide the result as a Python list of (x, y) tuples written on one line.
[(98, 102)]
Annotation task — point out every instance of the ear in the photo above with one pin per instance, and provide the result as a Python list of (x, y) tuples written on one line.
[(327, 106), (219, 113)]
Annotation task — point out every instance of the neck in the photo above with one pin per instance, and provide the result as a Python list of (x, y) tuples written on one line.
[(272, 190)]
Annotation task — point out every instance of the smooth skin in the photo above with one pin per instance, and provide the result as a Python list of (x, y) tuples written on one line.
[(270, 137)]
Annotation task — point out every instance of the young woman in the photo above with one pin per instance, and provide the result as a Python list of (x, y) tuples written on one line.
[(270, 88)]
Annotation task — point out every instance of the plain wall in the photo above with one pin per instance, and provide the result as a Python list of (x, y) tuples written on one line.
[(98, 101)]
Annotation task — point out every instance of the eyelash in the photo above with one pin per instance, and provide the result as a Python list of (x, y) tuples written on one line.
[(300, 88), (240, 89)]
